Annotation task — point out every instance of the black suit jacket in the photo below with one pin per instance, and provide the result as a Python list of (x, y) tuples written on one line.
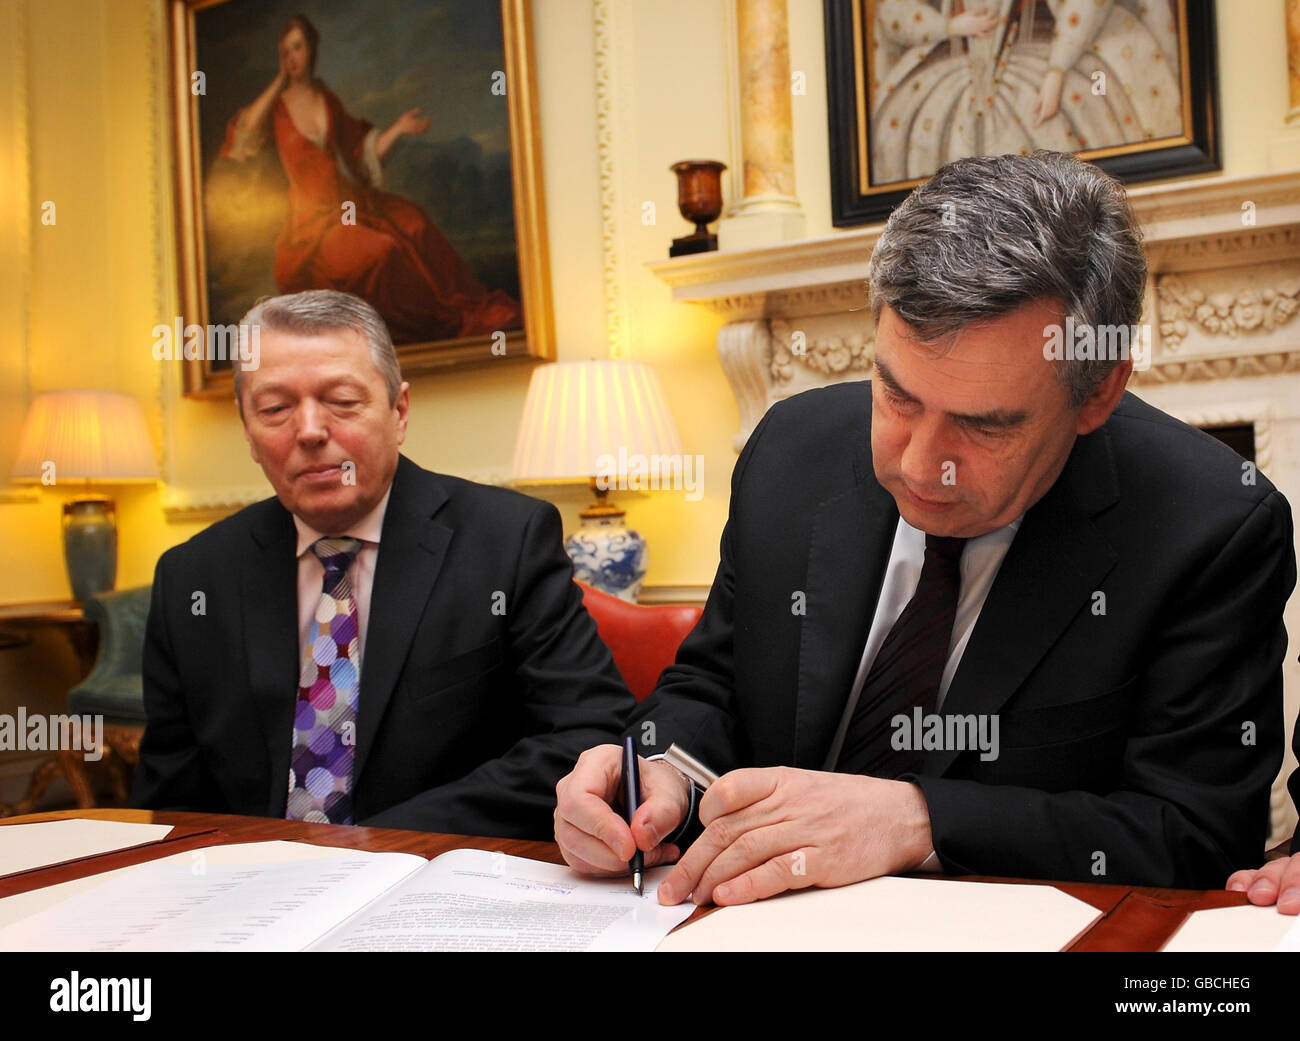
[(471, 708), (1137, 745)]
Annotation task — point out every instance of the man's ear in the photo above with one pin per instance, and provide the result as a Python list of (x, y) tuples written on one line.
[(1098, 405), (402, 405)]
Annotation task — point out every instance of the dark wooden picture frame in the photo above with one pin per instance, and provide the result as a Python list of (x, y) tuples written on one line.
[(529, 336), (855, 199)]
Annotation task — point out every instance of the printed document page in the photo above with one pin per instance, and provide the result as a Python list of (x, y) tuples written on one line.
[(191, 905), (472, 900), (250, 897)]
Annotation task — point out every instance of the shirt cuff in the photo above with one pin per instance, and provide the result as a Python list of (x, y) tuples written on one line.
[(930, 863), (690, 810)]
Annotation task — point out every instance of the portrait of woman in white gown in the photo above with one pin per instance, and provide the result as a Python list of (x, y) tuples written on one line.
[(951, 79)]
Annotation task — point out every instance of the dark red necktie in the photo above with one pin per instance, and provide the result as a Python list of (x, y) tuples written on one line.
[(907, 668)]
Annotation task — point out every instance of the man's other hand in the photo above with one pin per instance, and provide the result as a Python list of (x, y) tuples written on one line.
[(1277, 882), (594, 837), (778, 828)]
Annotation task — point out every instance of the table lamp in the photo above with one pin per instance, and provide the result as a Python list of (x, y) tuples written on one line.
[(606, 423), (92, 436)]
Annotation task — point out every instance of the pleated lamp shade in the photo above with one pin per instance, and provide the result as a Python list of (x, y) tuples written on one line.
[(89, 435), (578, 412)]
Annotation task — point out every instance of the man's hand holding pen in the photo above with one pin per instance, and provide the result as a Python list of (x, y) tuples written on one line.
[(593, 837)]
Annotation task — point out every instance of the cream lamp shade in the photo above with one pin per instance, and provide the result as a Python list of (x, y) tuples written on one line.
[(88, 435), (581, 416)]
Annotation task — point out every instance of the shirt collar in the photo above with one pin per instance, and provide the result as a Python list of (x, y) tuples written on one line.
[(368, 528)]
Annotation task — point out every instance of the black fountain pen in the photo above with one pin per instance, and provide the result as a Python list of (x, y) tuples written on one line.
[(631, 800)]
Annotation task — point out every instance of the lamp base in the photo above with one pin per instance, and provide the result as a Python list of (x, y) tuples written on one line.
[(90, 546), (606, 554)]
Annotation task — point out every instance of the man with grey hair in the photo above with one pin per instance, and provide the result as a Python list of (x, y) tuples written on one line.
[(376, 644), (988, 613)]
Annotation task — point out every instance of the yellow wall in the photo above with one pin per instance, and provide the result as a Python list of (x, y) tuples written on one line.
[(82, 99)]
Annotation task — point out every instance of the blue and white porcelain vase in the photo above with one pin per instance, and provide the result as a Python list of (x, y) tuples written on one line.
[(606, 554)]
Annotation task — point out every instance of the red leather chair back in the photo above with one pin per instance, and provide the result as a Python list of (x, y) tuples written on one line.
[(642, 638)]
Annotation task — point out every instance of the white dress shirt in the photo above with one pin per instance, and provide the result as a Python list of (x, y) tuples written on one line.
[(980, 560)]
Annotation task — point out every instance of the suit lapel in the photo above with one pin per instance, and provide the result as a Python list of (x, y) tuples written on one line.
[(269, 596), (412, 548), (1055, 563), (849, 547)]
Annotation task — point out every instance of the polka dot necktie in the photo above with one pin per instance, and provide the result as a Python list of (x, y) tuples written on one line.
[(325, 721)]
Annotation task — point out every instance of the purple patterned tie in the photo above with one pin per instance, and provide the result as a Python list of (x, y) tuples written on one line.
[(325, 721)]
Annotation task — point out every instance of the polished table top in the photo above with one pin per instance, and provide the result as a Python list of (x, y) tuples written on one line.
[(1135, 918)]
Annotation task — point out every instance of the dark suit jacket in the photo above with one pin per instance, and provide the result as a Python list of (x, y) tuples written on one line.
[(468, 716), (1136, 746)]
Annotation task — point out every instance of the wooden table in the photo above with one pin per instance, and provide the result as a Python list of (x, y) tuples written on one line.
[(1134, 918)]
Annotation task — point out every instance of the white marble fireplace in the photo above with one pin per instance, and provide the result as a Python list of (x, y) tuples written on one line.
[(1222, 303)]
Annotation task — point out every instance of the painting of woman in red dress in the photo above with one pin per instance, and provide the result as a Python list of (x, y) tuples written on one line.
[(342, 230)]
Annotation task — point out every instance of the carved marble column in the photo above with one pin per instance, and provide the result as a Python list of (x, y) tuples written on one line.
[(770, 210)]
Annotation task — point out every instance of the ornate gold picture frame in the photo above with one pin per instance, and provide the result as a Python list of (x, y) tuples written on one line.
[(444, 232)]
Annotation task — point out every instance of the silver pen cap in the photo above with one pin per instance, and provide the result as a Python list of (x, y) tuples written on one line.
[(687, 764)]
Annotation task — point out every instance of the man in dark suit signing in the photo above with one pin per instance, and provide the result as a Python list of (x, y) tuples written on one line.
[(987, 613), (377, 644)]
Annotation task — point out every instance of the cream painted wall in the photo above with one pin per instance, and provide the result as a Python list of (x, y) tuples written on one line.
[(98, 282)]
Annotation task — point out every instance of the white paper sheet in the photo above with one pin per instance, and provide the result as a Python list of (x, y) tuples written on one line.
[(1246, 928), (895, 914), (12, 908), (27, 846), (175, 905), (1291, 940), (472, 900)]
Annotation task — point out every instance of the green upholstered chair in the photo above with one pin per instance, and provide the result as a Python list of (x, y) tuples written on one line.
[(114, 689)]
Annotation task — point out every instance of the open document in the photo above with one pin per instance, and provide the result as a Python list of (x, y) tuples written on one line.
[(352, 901)]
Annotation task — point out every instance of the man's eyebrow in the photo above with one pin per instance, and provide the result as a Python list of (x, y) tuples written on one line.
[(887, 378), (999, 419), (344, 380), (267, 388)]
